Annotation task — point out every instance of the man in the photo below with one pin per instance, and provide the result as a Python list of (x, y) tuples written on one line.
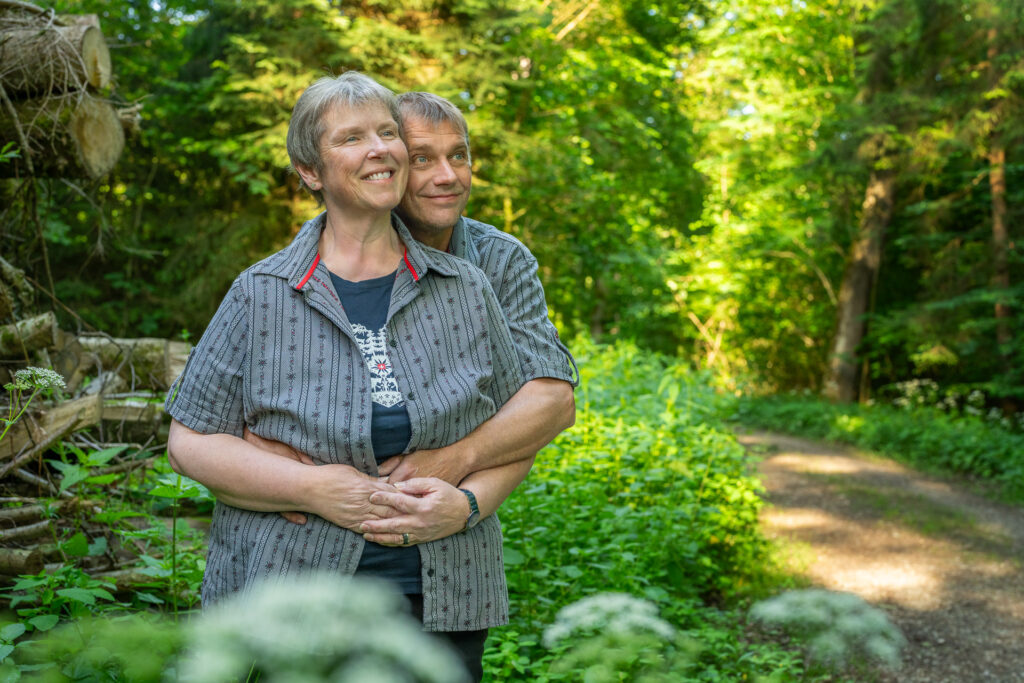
[(492, 460)]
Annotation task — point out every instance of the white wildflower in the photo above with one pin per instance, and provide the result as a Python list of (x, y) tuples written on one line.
[(840, 628), (36, 378), (314, 628), (607, 612)]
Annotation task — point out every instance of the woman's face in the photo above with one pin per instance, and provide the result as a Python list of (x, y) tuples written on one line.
[(365, 165)]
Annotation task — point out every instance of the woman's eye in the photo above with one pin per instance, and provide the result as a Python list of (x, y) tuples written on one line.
[(389, 133)]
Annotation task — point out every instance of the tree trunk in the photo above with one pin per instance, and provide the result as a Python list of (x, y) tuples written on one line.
[(855, 291), (53, 59), (73, 136)]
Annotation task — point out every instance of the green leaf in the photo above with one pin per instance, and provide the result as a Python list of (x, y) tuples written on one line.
[(5, 650), (78, 595), (44, 622), (76, 546), (167, 491), (98, 546), (149, 597), (98, 458), (11, 632), (513, 556), (72, 473)]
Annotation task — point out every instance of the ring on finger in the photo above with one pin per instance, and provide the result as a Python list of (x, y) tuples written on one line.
[(405, 539)]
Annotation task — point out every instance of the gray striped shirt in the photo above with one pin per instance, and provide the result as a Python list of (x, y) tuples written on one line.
[(280, 357)]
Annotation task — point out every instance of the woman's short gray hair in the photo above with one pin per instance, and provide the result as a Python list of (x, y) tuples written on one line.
[(434, 110), (306, 127)]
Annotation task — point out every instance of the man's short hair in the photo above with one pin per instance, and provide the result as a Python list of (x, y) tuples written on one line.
[(306, 127), (435, 110)]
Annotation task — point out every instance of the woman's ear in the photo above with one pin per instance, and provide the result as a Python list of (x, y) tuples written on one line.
[(309, 176)]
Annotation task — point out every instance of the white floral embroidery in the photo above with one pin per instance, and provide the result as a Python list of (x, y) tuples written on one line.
[(373, 346)]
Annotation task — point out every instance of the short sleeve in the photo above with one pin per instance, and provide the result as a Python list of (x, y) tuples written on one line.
[(505, 367), (541, 352), (207, 397)]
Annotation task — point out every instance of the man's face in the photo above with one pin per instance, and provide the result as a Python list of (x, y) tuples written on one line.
[(439, 178)]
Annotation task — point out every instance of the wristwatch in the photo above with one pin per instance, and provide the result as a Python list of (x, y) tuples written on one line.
[(474, 510)]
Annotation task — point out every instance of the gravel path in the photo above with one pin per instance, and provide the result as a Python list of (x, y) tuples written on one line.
[(942, 561)]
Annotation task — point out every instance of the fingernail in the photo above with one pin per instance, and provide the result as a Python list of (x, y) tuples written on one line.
[(363, 528), (400, 485)]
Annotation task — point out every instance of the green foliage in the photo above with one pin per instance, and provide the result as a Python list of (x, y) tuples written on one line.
[(921, 435), (648, 495)]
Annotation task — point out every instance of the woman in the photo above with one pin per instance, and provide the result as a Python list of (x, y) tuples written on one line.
[(351, 345)]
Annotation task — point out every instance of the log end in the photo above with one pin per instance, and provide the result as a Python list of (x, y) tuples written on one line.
[(96, 56), (97, 131)]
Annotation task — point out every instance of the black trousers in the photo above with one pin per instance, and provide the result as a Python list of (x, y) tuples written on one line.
[(468, 645)]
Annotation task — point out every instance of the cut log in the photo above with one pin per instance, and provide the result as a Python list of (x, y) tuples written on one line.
[(144, 363), (53, 58), (59, 420), (24, 533), (19, 339), (69, 359), (73, 136), (14, 562)]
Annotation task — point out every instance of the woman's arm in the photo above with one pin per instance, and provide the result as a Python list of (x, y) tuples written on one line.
[(244, 476)]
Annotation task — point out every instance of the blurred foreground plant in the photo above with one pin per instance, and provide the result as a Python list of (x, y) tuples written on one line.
[(840, 629), (304, 629), (616, 637)]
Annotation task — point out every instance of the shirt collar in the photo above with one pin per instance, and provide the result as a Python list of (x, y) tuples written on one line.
[(302, 256)]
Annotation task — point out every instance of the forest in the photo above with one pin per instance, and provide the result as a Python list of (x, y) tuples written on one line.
[(801, 215)]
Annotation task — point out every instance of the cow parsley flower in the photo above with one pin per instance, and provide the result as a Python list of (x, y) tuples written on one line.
[(317, 627)]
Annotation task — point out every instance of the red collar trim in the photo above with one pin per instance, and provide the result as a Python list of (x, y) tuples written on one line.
[(408, 264), (309, 273)]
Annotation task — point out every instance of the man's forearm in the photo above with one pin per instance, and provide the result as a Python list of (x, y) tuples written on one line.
[(492, 486)]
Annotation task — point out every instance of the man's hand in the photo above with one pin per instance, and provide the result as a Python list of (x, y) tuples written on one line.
[(445, 464), (426, 508), (286, 451)]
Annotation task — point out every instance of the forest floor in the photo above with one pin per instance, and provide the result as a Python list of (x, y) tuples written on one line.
[(943, 561)]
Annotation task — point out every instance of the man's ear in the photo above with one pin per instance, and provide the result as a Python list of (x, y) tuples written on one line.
[(309, 176)]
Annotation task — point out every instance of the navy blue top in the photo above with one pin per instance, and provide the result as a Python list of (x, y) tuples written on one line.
[(366, 306)]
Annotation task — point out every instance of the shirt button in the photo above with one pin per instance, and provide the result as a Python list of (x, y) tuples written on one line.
[(393, 342), (430, 572), (412, 395)]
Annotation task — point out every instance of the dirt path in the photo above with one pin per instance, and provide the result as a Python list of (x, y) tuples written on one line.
[(943, 562)]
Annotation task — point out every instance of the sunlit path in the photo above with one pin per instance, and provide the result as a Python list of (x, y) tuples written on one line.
[(943, 562)]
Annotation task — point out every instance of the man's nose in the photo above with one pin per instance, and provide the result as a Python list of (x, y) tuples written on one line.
[(445, 174)]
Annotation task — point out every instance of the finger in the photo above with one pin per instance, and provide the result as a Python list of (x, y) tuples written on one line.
[(294, 517), (388, 539), (394, 525), (398, 501), (420, 486), (389, 465)]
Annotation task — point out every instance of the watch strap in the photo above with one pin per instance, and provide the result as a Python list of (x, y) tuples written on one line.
[(474, 510)]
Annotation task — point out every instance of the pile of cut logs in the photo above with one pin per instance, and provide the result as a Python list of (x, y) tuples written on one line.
[(54, 71), (114, 397)]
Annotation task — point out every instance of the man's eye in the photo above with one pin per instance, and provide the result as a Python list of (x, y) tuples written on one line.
[(419, 159), (390, 133), (459, 156), (351, 138)]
